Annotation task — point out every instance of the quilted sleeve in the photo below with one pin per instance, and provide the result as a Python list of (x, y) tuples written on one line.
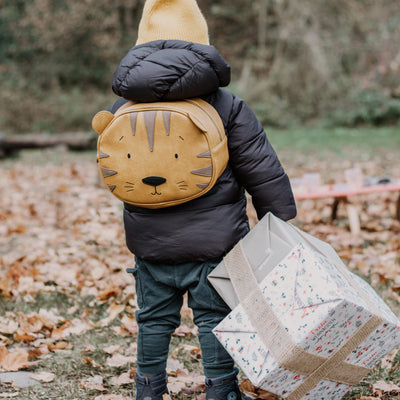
[(256, 164)]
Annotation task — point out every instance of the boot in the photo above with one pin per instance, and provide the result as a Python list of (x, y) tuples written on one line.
[(152, 387), (225, 387)]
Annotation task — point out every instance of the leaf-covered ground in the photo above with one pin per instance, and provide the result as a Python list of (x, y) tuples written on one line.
[(67, 305)]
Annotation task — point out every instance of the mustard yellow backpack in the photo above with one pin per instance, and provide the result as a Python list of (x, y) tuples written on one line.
[(156, 155)]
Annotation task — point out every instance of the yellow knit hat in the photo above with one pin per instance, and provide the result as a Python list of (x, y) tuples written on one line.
[(172, 19)]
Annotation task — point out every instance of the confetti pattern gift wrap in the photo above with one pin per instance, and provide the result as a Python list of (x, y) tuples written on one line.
[(309, 330), (265, 246)]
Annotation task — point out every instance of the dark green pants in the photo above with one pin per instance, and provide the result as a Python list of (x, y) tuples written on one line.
[(160, 290)]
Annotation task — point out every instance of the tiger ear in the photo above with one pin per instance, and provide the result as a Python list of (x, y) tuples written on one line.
[(198, 123), (101, 120)]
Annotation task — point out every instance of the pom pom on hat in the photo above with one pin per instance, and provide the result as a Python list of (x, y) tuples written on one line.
[(172, 20)]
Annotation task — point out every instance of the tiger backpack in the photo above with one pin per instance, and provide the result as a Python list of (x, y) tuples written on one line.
[(156, 155)]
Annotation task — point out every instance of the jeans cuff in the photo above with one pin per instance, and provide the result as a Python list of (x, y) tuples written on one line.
[(151, 370), (215, 371)]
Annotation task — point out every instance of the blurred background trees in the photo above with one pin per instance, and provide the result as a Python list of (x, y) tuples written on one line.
[(310, 62)]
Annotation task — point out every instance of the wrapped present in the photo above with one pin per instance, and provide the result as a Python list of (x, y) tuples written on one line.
[(266, 245), (309, 330)]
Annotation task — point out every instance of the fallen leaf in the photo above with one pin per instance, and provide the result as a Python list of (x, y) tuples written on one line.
[(29, 323), (105, 296), (112, 349), (43, 376), (17, 229), (62, 189), (35, 353), (174, 365), (118, 360), (182, 380), (176, 386), (185, 331), (13, 361), (123, 379), (8, 326), (114, 310), (88, 349), (89, 361), (93, 383), (195, 354), (5, 340), (73, 327), (386, 387), (387, 361), (129, 324), (255, 392), (49, 319), (24, 337), (59, 333), (111, 397), (58, 345), (8, 395)]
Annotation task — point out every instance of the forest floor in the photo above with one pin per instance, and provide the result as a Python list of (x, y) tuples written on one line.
[(67, 305)]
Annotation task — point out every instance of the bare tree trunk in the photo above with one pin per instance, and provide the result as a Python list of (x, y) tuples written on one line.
[(129, 14), (262, 29)]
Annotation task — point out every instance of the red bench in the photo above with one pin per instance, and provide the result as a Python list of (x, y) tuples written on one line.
[(343, 193)]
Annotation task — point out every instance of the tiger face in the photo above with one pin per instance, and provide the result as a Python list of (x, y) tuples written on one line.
[(150, 158)]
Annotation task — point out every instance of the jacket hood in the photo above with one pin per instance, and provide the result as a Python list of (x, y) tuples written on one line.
[(170, 70)]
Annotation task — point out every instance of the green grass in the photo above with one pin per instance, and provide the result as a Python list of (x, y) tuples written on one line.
[(57, 300), (340, 142)]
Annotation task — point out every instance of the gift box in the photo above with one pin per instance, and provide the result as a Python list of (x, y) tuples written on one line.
[(265, 246), (309, 329)]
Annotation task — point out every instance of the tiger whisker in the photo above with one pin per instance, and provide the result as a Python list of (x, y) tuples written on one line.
[(130, 190), (130, 183), (180, 182)]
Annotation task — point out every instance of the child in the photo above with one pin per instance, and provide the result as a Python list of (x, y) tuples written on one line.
[(177, 247)]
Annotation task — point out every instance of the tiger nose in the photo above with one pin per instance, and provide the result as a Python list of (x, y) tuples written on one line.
[(154, 180)]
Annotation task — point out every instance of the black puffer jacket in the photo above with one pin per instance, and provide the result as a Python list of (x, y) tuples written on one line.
[(209, 226)]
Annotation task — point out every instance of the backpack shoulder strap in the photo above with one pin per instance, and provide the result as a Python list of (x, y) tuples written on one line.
[(208, 118), (124, 106), (201, 109)]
